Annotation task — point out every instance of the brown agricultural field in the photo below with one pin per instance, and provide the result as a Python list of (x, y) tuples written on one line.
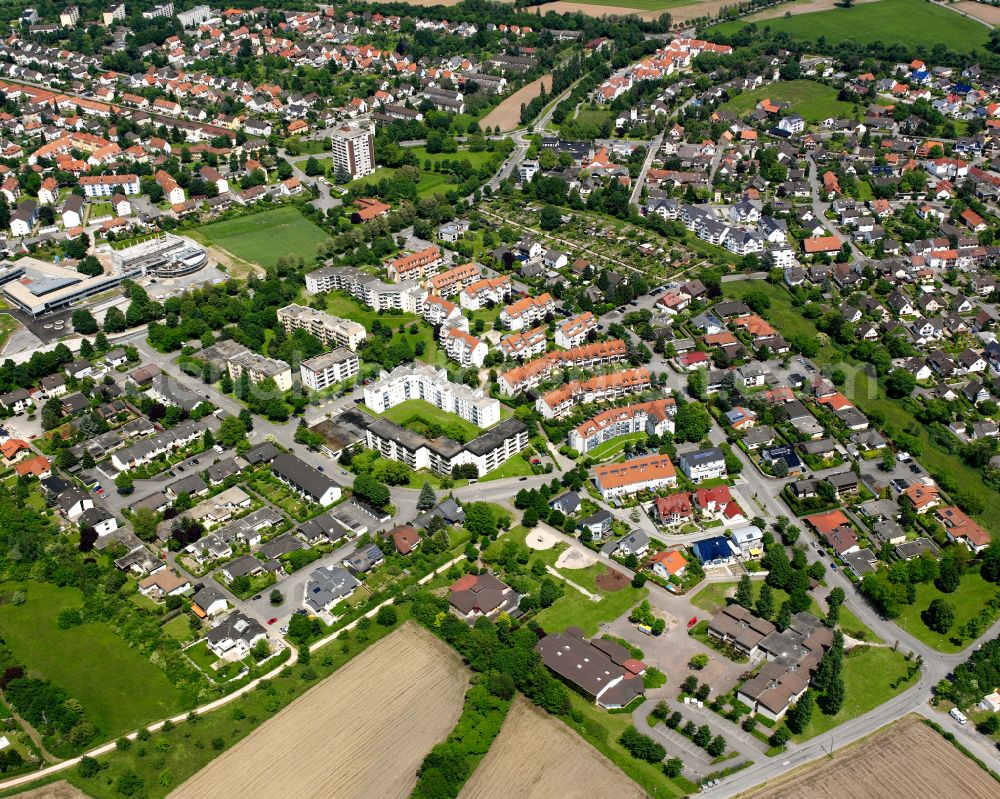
[(537, 757), (362, 732), (57, 790), (980, 11), (905, 760), (508, 113)]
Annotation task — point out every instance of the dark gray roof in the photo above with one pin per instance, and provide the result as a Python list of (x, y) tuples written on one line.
[(302, 475)]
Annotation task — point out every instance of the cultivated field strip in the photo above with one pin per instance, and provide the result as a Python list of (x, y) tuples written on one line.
[(537, 757), (907, 760), (362, 732)]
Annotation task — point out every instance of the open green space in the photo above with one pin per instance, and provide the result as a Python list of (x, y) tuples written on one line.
[(811, 100), (712, 598), (968, 600), (575, 609), (916, 25), (265, 237), (429, 183), (514, 467), (614, 446), (476, 159), (118, 688), (347, 307), (870, 679), (422, 417), (602, 730), (870, 396), (851, 625)]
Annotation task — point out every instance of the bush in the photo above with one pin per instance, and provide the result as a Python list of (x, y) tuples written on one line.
[(642, 747)]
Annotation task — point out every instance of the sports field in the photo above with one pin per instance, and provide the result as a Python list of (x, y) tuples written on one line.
[(117, 687), (265, 237), (914, 24), (812, 101)]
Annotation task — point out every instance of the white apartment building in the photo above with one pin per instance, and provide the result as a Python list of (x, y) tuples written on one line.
[(463, 347), (107, 185), (330, 329), (485, 291), (258, 369), (407, 295), (527, 311), (329, 369), (573, 332), (423, 381), (353, 151)]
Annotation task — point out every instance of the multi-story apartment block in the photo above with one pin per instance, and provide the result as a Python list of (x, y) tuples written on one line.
[(587, 356), (329, 369), (527, 311), (636, 474), (415, 266), (452, 281), (353, 151), (558, 402), (573, 332), (423, 381), (108, 185), (654, 418), (483, 292), (259, 368), (407, 296), (704, 464), (463, 347), (439, 311), (524, 345), (331, 330)]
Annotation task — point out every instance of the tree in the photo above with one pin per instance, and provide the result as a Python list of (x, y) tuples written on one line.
[(779, 737), (949, 576), (276, 597), (717, 746), (702, 736), (313, 167), (800, 713), (550, 218), (480, 519), (123, 482), (744, 592), (426, 500), (765, 602), (939, 616), (900, 383), (784, 615), (232, 430), (833, 700), (83, 321), (691, 422), (260, 650), (371, 490), (386, 616)]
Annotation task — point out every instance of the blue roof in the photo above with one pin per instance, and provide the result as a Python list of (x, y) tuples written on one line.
[(712, 549)]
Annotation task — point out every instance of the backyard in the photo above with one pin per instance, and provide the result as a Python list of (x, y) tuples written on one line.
[(811, 100), (265, 237), (118, 688), (917, 26)]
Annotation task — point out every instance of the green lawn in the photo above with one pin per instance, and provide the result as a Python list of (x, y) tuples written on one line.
[(476, 159), (603, 729), (265, 237), (868, 682), (851, 625), (429, 183), (515, 467), (118, 688), (913, 24), (811, 100), (614, 446), (967, 601), (573, 609), (868, 396), (347, 307), (179, 628), (415, 414), (712, 598)]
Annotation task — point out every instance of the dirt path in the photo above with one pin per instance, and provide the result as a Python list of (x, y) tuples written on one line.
[(803, 7), (988, 15), (508, 114), (32, 733)]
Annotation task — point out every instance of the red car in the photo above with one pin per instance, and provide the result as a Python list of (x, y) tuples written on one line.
[(693, 622), (272, 621)]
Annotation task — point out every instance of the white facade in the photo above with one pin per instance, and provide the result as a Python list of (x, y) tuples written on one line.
[(427, 383), (353, 151), (329, 329), (329, 369)]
